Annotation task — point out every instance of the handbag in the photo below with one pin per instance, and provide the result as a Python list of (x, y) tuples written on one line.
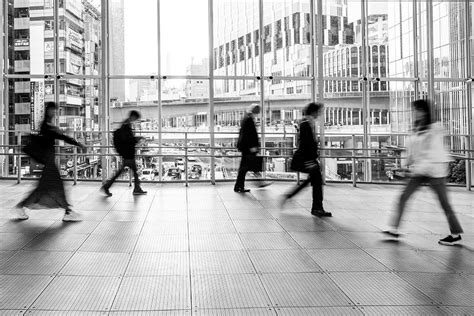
[(254, 163), (35, 148), (297, 162)]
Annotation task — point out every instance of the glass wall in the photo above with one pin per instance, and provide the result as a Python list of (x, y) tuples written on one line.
[(193, 67)]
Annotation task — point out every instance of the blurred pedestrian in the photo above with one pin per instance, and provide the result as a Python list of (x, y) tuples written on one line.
[(249, 145), (305, 160), (50, 192), (428, 162), (124, 142)]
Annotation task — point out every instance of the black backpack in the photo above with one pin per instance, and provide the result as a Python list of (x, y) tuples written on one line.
[(119, 140)]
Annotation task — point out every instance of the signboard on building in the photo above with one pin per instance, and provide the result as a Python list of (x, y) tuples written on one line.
[(74, 6), (22, 42), (73, 64), (36, 104), (73, 39)]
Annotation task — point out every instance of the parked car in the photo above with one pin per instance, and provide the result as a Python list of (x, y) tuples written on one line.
[(147, 174), (174, 173)]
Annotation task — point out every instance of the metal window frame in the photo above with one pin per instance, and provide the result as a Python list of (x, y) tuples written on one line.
[(317, 77)]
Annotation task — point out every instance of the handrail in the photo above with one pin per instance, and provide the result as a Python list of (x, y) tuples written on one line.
[(199, 151)]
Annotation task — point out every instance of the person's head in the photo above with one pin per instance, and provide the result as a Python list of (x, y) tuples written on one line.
[(312, 109), (49, 111), (133, 116), (254, 109), (422, 114)]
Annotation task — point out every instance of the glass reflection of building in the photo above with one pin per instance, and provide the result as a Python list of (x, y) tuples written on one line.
[(448, 63), (31, 52)]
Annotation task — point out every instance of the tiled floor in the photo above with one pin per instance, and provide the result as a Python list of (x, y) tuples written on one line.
[(205, 250)]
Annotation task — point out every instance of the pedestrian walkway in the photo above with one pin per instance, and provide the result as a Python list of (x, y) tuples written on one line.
[(205, 250)]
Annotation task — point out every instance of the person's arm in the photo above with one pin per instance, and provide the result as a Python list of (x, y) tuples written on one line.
[(58, 134)]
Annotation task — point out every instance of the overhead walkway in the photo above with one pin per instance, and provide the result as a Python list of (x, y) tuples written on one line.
[(205, 250)]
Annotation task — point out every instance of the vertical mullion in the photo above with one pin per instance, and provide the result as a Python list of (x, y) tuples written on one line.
[(312, 51), (319, 77), (160, 105), (415, 39), (211, 87), (429, 29), (468, 93), (262, 73), (103, 113), (56, 55), (365, 99)]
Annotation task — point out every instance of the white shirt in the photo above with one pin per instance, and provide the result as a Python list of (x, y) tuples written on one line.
[(426, 153)]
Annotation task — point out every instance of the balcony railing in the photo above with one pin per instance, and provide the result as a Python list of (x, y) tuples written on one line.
[(186, 157)]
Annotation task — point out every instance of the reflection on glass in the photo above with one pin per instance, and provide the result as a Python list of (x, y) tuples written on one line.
[(236, 38), (287, 36)]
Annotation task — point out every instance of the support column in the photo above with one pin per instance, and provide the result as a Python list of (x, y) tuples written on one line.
[(211, 88)]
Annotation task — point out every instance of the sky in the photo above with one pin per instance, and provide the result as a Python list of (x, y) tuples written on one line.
[(184, 35)]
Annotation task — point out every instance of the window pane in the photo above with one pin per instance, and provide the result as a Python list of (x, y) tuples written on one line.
[(184, 37), (79, 38), (236, 38), (449, 39), (30, 34), (283, 107), (133, 38), (185, 122), (286, 38)]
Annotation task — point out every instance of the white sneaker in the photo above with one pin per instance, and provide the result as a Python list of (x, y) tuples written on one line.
[(72, 216), (21, 213)]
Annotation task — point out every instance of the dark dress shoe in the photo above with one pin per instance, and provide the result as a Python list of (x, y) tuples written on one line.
[(241, 190), (321, 213)]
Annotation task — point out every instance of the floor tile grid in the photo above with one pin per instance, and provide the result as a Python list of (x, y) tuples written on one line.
[(122, 279), (259, 275), (420, 249), (54, 276), (222, 199), (74, 252), (358, 247)]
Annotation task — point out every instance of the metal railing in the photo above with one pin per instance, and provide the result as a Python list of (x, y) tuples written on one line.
[(185, 153)]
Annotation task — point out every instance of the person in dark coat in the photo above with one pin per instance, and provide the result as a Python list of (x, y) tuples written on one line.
[(305, 160), (249, 145), (50, 190), (128, 141)]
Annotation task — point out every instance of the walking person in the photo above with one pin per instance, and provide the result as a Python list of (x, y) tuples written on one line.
[(125, 142), (50, 192), (249, 146), (428, 162), (305, 160)]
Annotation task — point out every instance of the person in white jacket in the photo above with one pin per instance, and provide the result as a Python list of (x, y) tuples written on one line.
[(428, 163)]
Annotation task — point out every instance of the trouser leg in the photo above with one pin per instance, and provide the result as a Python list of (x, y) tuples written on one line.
[(317, 183), (243, 169), (133, 166), (411, 187), (109, 183), (298, 188), (439, 186)]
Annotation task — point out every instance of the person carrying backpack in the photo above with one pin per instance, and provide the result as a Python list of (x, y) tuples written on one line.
[(124, 142)]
